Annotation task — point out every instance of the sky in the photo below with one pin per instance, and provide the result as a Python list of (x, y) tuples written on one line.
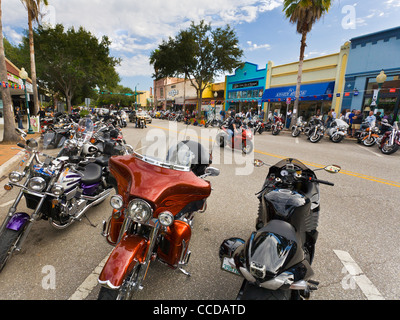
[(137, 27)]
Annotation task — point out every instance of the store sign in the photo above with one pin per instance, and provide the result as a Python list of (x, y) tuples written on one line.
[(245, 85)]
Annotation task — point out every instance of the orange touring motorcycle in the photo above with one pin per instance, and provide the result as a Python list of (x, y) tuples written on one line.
[(153, 214)]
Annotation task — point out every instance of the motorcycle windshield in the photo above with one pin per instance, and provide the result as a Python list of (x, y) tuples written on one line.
[(162, 175), (85, 129)]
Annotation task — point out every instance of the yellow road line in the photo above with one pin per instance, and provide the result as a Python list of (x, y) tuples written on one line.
[(345, 172)]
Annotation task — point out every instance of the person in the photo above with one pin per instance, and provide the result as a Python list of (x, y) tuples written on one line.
[(357, 121), (140, 114), (329, 119), (371, 119), (41, 114), (351, 116), (318, 114), (288, 118), (234, 124), (222, 113), (333, 114), (388, 120), (18, 118)]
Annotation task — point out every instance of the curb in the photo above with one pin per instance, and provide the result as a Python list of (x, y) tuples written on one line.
[(7, 167)]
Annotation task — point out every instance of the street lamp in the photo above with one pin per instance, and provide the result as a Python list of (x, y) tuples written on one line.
[(380, 79), (24, 75)]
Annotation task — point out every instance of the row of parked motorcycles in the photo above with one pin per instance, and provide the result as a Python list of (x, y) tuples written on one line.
[(387, 137), (154, 207)]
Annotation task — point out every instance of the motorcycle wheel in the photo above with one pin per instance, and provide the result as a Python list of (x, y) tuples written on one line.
[(275, 132), (386, 149), (221, 141), (295, 132), (248, 148), (337, 138), (126, 291), (251, 292), (315, 138), (369, 142), (7, 240)]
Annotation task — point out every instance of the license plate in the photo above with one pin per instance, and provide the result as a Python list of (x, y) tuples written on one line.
[(228, 265)]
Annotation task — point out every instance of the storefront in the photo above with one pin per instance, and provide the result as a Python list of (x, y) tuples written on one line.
[(321, 87), (244, 89), (369, 55), (17, 89), (312, 97)]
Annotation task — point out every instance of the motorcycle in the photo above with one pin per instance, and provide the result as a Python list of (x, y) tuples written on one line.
[(55, 189), (390, 141), (153, 215), (337, 130), (368, 135), (299, 127), (277, 126), (317, 130), (276, 259), (241, 140)]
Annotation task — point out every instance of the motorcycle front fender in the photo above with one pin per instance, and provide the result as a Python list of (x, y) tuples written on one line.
[(129, 251), (17, 221)]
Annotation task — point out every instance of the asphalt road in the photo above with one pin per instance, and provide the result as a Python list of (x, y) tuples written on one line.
[(357, 255)]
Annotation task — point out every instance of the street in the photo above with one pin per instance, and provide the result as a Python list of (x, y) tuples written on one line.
[(357, 250)]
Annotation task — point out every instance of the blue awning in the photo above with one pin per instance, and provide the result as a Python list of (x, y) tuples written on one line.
[(316, 91)]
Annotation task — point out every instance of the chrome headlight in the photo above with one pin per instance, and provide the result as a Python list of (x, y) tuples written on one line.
[(33, 144), (15, 176), (57, 190), (37, 184), (139, 211), (166, 218), (117, 202)]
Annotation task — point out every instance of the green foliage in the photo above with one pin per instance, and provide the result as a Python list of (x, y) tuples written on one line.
[(199, 54), (71, 62)]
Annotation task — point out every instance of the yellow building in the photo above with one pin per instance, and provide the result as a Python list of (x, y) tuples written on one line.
[(323, 78)]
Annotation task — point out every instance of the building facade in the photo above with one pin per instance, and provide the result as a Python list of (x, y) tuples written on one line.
[(369, 55), (245, 88), (321, 88), (16, 86)]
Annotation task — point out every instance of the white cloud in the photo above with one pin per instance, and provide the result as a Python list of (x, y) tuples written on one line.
[(136, 27), (393, 3), (253, 46), (137, 65)]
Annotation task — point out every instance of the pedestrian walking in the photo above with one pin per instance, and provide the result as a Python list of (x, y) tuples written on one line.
[(18, 118)]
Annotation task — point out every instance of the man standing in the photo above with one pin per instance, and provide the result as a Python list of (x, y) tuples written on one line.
[(18, 118), (371, 119), (357, 121)]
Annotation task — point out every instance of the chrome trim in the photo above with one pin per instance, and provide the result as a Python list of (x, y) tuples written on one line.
[(161, 164)]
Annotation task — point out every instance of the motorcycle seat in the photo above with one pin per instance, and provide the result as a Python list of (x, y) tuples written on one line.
[(103, 160), (92, 174)]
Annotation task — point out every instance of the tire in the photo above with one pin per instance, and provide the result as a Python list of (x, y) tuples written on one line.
[(251, 292), (275, 132), (221, 141), (248, 148), (7, 240), (369, 142), (109, 294), (337, 138), (386, 149), (316, 138), (295, 132)]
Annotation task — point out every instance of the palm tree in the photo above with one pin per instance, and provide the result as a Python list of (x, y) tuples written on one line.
[(33, 7), (9, 134), (303, 13)]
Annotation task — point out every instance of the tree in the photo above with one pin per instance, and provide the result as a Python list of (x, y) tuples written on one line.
[(74, 62), (9, 135), (199, 54), (33, 7), (303, 13)]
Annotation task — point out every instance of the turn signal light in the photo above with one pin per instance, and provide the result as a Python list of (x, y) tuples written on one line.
[(8, 187)]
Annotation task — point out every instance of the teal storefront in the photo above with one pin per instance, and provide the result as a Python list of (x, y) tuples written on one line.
[(244, 89)]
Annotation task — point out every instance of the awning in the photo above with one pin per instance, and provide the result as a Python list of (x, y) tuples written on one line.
[(316, 91)]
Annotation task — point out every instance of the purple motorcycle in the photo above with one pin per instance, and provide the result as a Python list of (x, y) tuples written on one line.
[(55, 189)]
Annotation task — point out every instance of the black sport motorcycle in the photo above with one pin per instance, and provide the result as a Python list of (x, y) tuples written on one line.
[(276, 260)]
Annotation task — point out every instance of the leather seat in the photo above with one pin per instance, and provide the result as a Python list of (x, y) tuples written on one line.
[(92, 174)]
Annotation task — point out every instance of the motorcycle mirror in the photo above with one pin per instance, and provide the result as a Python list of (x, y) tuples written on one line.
[(21, 132), (333, 168), (258, 163), (213, 172)]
